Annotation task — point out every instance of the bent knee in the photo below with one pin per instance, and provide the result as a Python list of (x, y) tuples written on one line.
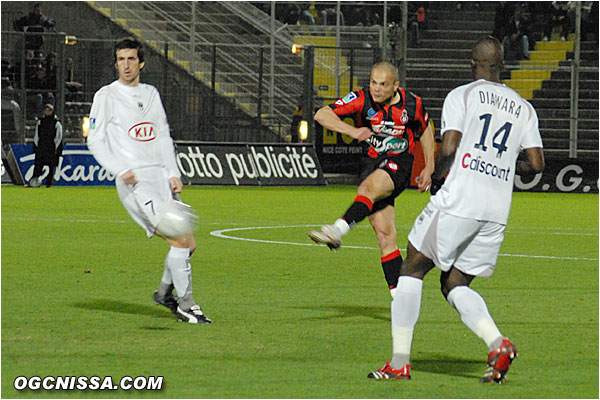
[(445, 290), (452, 279), (367, 188)]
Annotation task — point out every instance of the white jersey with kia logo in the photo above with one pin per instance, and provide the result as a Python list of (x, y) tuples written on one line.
[(129, 129), (496, 124)]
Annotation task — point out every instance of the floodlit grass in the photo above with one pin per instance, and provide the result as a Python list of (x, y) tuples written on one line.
[(290, 321)]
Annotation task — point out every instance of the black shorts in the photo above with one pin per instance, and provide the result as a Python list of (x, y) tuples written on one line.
[(398, 167)]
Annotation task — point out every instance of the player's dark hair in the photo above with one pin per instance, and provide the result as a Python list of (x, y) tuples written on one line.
[(130, 43)]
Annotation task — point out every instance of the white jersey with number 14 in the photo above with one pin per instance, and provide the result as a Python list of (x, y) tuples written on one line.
[(496, 124)]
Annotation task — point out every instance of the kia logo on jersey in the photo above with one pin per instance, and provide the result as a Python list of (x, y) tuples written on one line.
[(143, 132)]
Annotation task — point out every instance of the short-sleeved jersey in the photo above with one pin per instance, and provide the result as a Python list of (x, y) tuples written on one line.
[(496, 124), (406, 119), (129, 129)]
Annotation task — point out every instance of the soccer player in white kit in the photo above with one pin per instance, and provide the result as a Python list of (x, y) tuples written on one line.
[(129, 136), (485, 125)]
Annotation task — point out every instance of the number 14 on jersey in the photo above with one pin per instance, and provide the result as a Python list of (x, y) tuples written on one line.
[(500, 136)]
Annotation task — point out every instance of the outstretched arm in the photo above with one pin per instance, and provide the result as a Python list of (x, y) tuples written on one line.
[(329, 119)]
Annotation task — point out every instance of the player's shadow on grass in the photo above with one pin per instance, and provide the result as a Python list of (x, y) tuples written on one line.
[(124, 308), (347, 311), (427, 362), (448, 365)]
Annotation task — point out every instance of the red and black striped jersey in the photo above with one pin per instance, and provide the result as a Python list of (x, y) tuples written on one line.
[(407, 118)]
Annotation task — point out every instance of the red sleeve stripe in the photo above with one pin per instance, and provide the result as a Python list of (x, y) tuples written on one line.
[(391, 256), (365, 200)]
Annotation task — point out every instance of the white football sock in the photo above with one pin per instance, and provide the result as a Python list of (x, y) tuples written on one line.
[(406, 307), (474, 314), (166, 282), (342, 226), (187, 300), (167, 279), (181, 273)]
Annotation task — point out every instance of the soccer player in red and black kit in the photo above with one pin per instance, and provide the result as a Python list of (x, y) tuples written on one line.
[(385, 109)]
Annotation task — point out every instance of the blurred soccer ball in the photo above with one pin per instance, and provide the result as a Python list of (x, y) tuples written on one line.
[(176, 219), (35, 182)]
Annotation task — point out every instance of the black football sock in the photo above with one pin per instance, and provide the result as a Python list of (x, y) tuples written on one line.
[(391, 268), (358, 211)]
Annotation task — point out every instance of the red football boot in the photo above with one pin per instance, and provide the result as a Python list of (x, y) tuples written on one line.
[(499, 361), (387, 372)]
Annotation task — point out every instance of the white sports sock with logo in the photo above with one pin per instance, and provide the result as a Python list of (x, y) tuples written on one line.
[(181, 272), (406, 307), (474, 314)]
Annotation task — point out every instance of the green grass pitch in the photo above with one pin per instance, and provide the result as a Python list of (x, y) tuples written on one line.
[(291, 319)]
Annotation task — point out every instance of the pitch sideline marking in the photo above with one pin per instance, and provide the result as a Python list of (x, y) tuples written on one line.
[(222, 235)]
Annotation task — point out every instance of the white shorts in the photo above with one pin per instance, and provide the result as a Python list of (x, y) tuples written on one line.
[(470, 245), (143, 199)]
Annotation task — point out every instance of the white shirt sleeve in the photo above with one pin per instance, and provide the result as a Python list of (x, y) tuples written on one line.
[(531, 136), (97, 138), (168, 155), (453, 112), (167, 147)]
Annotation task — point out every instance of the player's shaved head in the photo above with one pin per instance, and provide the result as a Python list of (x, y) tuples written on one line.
[(387, 66), (487, 59), (384, 83), (488, 49)]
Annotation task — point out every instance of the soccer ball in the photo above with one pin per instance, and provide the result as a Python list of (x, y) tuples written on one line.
[(35, 182), (176, 219)]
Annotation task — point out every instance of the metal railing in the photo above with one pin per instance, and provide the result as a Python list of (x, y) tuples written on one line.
[(261, 21), (195, 110), (195, 53), (249, 90)]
